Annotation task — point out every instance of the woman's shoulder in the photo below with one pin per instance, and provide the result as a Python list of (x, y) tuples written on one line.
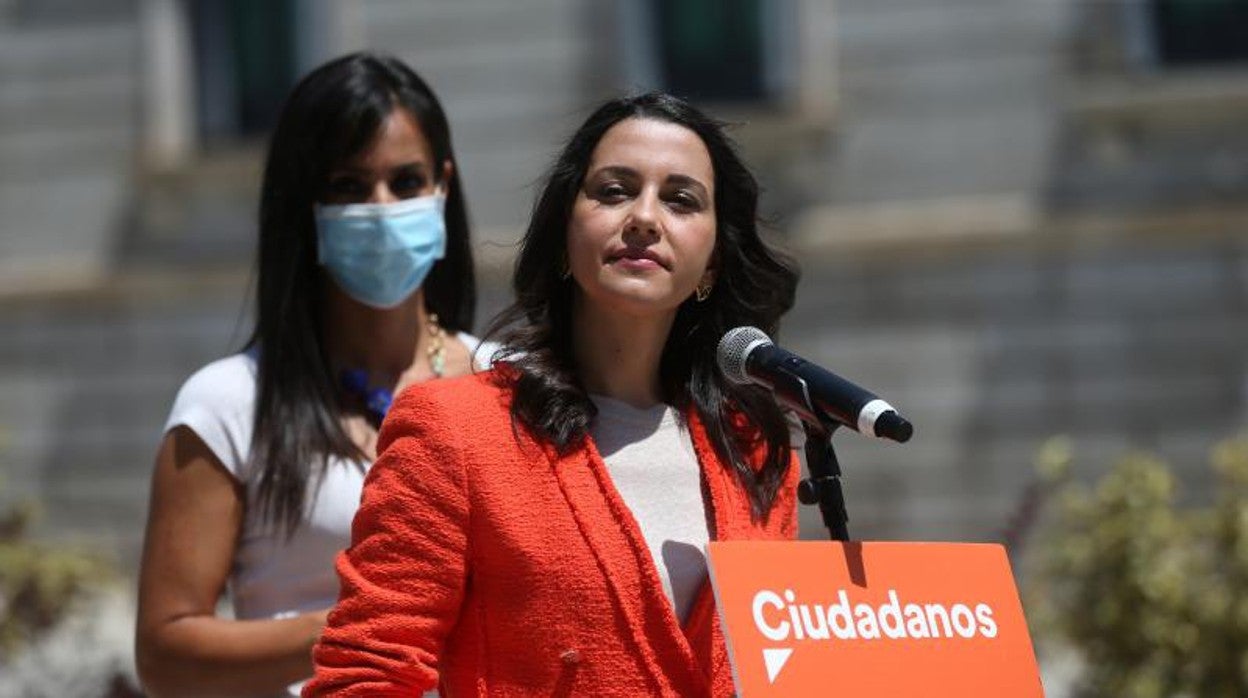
[(477, 392), (229, 382), (217, 403), (481, 351), (472, 410)]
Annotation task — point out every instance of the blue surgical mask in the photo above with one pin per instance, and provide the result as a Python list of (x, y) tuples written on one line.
[(379, 254)]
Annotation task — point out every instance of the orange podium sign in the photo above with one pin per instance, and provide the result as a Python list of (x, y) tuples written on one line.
[(872, 619)]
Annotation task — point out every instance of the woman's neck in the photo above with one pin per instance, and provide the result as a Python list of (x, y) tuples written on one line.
[(619, 355), (383, 343)]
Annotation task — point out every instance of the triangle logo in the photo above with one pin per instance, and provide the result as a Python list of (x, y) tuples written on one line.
[(775, 658)]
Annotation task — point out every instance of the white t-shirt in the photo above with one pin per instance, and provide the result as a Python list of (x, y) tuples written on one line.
[(273, 576), (649, 455)]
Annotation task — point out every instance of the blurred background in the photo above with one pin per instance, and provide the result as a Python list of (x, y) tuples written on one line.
[(1016, 219)]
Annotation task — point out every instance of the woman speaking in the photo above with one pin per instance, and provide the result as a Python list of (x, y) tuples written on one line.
[(539, 529)]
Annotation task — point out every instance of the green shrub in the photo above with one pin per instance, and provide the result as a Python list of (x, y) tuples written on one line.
[(38, 583), (1154, 597)]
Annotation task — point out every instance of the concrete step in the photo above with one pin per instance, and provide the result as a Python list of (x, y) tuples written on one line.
[(95, 375), (68, 130), (517, 56), (442, 26), (943, 89), (944, 99), (898, 498), (887, 35), (1058, 391), (399, 11), (41, 155), (1149, 281), (132, 349), (68, 104), (109, 513), (58, 233), (67, 51), (69, 13), (476, 117), (496, 86), (898, 156)]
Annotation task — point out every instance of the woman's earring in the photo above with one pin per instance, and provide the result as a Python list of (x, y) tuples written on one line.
[(703, 290), (565, 271)]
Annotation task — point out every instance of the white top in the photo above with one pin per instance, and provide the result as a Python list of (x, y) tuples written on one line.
[(649, 455), (273, 577)]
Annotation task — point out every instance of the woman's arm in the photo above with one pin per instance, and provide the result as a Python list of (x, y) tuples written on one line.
[(182, 648), (403, 578)]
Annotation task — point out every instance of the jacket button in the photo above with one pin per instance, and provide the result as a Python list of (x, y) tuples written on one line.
[(570, 657)]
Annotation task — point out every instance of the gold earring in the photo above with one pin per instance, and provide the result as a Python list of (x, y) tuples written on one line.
[(703, 290)]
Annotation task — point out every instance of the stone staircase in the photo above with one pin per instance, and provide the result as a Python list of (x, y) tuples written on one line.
[(1012, 251), (68, 129), (89, 379), (1123, 341), (1138, 344), (68, 126), (944, 99)]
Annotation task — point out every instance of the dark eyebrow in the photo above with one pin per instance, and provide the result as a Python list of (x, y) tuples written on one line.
[(628, 172), (688, 181), (616, 171)]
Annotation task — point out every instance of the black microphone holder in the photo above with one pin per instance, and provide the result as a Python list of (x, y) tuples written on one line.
[(823, 487)]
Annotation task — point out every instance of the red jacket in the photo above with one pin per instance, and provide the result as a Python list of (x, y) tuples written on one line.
[(514, 571)]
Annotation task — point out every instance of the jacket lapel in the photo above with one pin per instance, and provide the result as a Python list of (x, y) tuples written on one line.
[(627, 567), (702, 627)]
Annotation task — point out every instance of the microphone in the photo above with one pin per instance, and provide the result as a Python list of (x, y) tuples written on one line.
[(747, 355)]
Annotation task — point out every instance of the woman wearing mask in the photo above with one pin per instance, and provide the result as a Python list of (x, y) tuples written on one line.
[(556, 549), (365, 286)]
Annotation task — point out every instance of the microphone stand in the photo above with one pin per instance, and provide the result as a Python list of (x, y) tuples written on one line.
[(823, 487)]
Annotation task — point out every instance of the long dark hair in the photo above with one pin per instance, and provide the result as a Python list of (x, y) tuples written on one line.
[(330, 116), (754, 285)]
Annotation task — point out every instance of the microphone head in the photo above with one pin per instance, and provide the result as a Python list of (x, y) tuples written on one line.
[(734, 347)]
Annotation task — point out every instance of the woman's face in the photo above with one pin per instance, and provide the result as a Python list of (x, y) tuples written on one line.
[(398, 164), (642, 229)]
